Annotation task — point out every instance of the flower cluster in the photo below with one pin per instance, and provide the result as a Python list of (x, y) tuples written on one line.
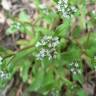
[(47, 47), (75, 68), (3, 75), (66, 9)]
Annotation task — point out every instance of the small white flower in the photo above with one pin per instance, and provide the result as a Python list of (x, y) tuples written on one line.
[(66, 9), (49, 37), (73, 8), (65, 1), (71, 64), (76, 65), (75, 68), (74, 72), (66, 15), (79, 71), (65, 5), (59, 2), (49, 57), (41, 54), (49, 45), (1, 58), (43, 50), (55, 39), (55, 44), (3, 75), (45, 40), (38, 44), (39, 57)]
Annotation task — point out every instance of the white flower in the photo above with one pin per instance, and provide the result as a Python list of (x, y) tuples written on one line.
[(75, 68), (65, 5), (72, 70), (50, 57), (55, 41), (71, 64), (76, 65), (3, 75), (38, 44), (66, 15), (39, 57), (66, 9), (79, 71), (65, 1), (49, 37), (41, 54), (50, 45), (73, 8)]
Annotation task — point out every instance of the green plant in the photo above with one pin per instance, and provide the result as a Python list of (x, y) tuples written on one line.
[(57, 49)]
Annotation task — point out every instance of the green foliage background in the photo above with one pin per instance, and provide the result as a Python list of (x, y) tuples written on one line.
[(75, 43)]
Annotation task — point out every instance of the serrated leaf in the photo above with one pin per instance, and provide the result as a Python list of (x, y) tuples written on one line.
[(37, 82), (62, 29)]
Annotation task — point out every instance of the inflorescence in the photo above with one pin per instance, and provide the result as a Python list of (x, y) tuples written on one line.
[(75, 68), (3, 75), (47, 47), (66, 9)]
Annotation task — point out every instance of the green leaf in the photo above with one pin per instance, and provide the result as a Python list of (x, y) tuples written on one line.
[(56, 1), (69, 56), (25, 69), (48, 82), (37, 81), (62, 30), (81, 93), (21, 55), (23, 16)]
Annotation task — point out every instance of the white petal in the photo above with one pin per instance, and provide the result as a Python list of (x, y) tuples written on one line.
[(6, 4)]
